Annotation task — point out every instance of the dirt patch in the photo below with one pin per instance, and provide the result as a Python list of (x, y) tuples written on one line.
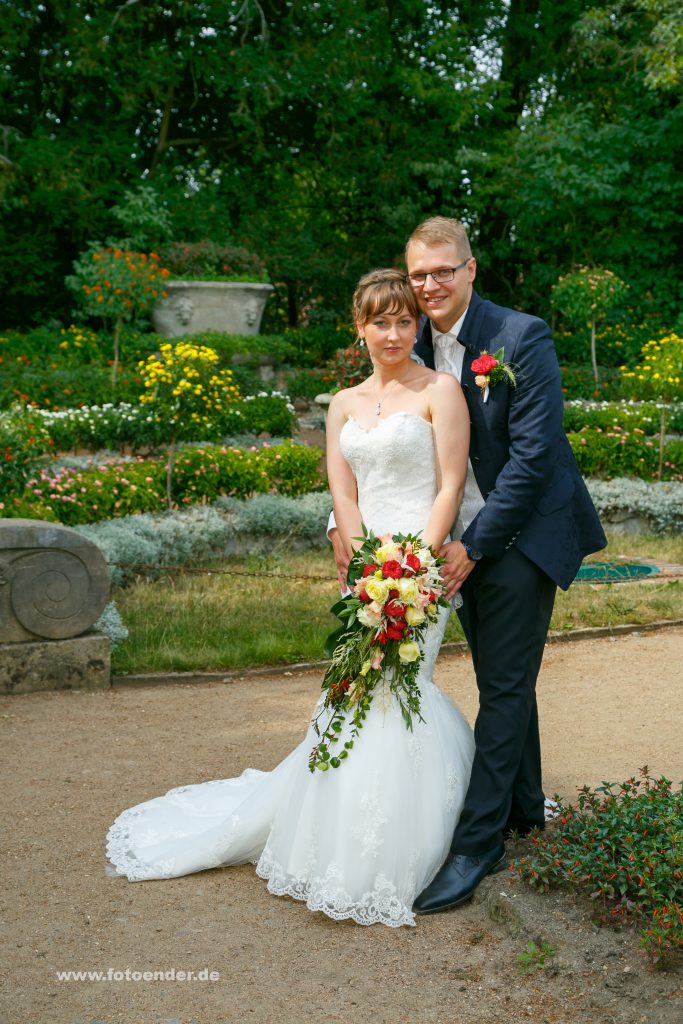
[(75, 759)]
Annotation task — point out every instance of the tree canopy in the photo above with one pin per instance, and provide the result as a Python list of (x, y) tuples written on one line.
[(318, 134)]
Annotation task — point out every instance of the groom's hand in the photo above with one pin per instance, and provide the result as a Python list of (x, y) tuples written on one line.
[(456, 568), (341, 557)]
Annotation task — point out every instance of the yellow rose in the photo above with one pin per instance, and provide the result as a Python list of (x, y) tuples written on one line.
[(409, 651), (377, 590), (387, 553), (414, 616), (407, 589)]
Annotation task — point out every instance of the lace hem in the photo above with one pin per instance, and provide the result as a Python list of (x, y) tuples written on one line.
[(327, 894)]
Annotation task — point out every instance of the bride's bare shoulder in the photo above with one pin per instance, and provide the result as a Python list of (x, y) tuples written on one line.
[(343, 401), (444, 384)]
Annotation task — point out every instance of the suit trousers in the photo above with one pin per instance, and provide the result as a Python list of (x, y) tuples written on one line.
[(506, 613)]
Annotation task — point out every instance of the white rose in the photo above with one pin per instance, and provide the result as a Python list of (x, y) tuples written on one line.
[(367, 617)]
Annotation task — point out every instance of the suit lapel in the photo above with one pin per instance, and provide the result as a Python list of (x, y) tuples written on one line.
[(424, 347)]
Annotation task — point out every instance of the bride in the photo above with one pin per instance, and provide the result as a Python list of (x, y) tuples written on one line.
[(361, 841)]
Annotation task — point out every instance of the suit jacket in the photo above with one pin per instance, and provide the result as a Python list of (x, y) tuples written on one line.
[(534, 494)]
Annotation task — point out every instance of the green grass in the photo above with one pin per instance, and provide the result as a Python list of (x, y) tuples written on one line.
[(200, 623)]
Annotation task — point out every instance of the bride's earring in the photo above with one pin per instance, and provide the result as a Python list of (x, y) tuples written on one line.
[(361, 342)]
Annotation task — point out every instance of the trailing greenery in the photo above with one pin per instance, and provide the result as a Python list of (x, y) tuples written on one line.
[(118, 488), (620, 844), (660, 505), (617, 452)]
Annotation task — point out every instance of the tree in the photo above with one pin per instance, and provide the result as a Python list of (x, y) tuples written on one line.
[(586, 296)]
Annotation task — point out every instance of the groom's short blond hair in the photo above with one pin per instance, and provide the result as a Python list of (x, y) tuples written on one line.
[(442, 231)]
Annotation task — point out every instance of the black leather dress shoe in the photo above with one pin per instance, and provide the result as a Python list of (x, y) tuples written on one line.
[(457, 879)]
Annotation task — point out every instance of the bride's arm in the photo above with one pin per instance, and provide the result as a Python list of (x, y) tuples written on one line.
[(451, 423), (341, 479)]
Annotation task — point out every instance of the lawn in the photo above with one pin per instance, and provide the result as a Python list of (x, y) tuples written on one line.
[(201, 622)]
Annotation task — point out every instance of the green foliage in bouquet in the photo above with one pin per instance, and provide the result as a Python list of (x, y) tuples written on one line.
[(396, 590), (620, 844)]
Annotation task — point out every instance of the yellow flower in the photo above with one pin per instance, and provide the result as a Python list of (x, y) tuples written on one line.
[(407, 589), (377, 589), (387, 552), (408, 651), (414, 617)]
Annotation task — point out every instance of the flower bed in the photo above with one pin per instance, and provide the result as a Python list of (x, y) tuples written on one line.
[(627, 415), (113, 426), (617, 452), (117, 488)]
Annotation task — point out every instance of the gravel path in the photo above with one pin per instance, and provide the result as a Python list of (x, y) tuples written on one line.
[(73, 760)]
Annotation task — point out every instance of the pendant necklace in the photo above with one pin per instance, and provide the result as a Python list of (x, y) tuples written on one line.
[(378, 411)]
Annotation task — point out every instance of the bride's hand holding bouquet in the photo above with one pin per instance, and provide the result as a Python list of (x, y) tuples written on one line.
[(396, 589)]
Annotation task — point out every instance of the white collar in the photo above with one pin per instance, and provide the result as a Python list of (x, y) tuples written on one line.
[(444, 337)]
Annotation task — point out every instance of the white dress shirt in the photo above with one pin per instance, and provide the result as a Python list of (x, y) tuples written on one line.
[(449, 356)]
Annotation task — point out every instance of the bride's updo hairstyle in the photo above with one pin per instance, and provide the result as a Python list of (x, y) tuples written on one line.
[(383, 291)]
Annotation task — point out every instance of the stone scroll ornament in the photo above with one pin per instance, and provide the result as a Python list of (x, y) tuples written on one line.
[(54, 584)]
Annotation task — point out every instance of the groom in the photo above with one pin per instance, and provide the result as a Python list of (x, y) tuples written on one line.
[(525, 524)]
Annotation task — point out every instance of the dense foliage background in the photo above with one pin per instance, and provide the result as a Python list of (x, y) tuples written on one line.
[(318, 134)]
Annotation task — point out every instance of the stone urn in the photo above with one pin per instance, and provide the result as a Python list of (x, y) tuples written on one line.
[(233, 307)]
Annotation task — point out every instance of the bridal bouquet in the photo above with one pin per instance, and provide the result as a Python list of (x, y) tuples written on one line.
[(396, 589)]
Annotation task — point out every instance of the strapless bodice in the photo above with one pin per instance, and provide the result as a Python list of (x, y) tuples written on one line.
[(394, 465)]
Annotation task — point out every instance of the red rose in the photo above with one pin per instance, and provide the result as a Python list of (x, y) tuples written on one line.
[(414, 562), (394, 608), (393, 593), (382, 638), (392, 570), (394, 631), (484, 364), (368, 570), (364, 597)]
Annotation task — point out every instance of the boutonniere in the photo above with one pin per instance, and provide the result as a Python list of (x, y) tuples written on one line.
[(491, 370)]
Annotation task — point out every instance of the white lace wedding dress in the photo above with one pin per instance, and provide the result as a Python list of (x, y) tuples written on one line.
[(362, 840)]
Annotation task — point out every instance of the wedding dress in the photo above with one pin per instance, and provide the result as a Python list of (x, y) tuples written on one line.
[(362, 840)]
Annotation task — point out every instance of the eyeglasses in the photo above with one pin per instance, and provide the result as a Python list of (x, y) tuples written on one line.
[(442, 276)]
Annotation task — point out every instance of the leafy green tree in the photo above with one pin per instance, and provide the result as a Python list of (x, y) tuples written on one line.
[(585, 296)]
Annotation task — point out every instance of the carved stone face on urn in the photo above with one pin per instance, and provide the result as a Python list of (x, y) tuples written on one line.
[(234, 307)]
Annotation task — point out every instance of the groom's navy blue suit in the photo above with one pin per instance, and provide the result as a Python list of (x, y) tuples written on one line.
[(536, 525)]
